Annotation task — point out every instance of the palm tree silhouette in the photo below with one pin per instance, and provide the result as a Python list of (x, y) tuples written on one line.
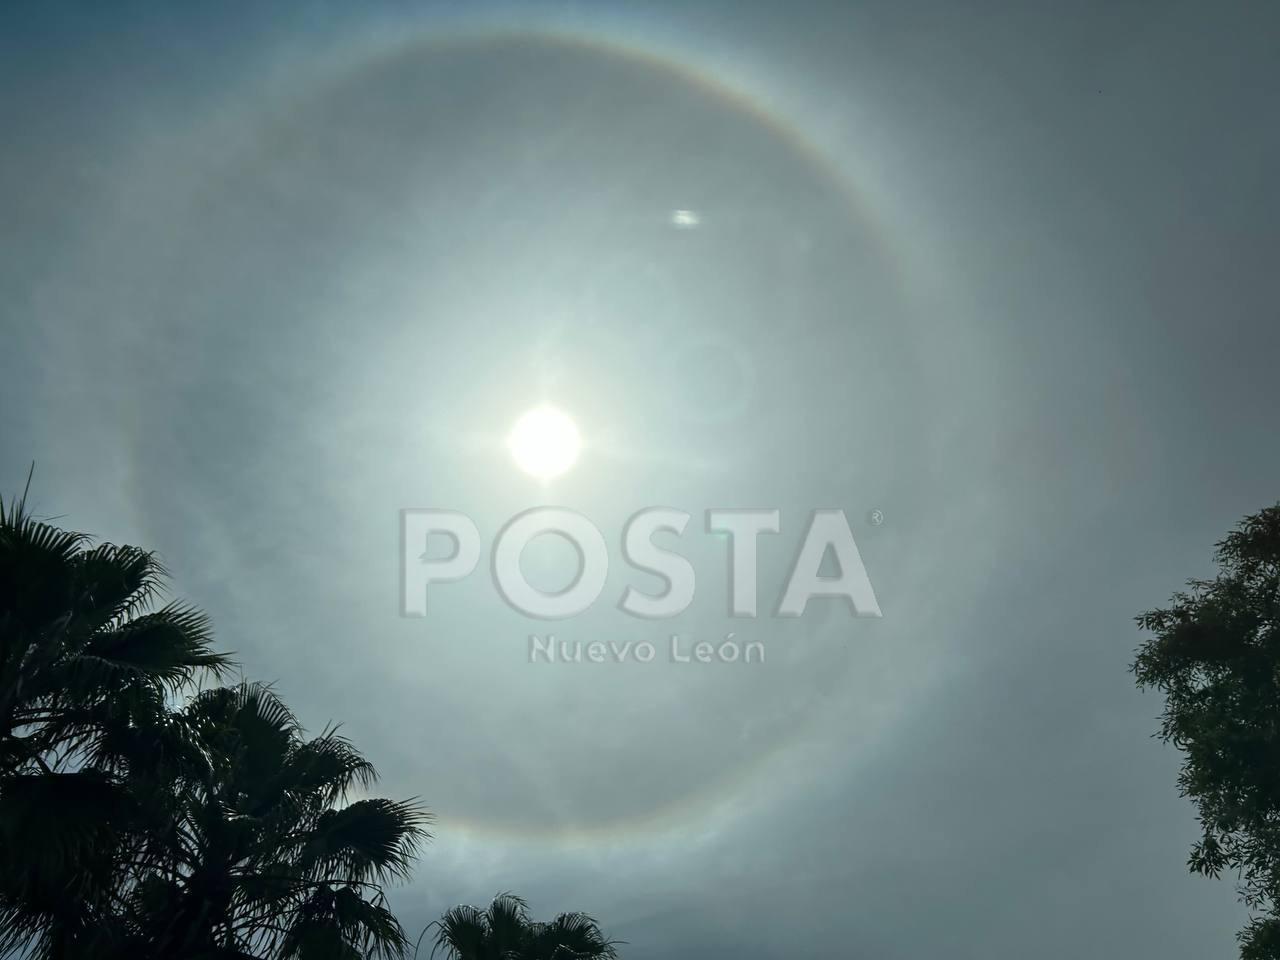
[(264, 854), (85, 663), (141, 820), (146, 816), (504, 931)]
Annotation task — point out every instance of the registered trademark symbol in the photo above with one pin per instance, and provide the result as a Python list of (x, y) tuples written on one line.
[(875, 517)]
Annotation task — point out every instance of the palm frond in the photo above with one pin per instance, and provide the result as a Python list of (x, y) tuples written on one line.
[(463, 933), (168, 645), (370, 839), (328, 767), (339, 922)]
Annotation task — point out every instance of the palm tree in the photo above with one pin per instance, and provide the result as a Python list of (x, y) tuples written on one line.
[(262, 854), (504, 931), (141, 820), (144, 818), (85, 658)]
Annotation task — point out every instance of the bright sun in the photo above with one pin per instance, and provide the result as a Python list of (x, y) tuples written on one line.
[(544, 443)]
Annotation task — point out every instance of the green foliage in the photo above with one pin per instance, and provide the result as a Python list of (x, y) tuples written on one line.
[(1215, 655)]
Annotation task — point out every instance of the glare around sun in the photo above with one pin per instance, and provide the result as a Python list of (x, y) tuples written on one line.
[(544, 443)]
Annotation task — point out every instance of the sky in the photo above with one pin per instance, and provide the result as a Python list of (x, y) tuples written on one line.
[(997, 280)]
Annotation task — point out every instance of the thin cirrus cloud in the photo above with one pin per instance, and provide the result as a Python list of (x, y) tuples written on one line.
[(270, 280)]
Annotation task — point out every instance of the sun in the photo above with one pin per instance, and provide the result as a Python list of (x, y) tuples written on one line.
[(544, 442)]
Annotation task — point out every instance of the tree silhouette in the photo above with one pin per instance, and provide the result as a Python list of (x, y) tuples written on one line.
[(1215, 655), (147, 816), (134, 824), (504, 931), (262, 854), (85, 664)]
